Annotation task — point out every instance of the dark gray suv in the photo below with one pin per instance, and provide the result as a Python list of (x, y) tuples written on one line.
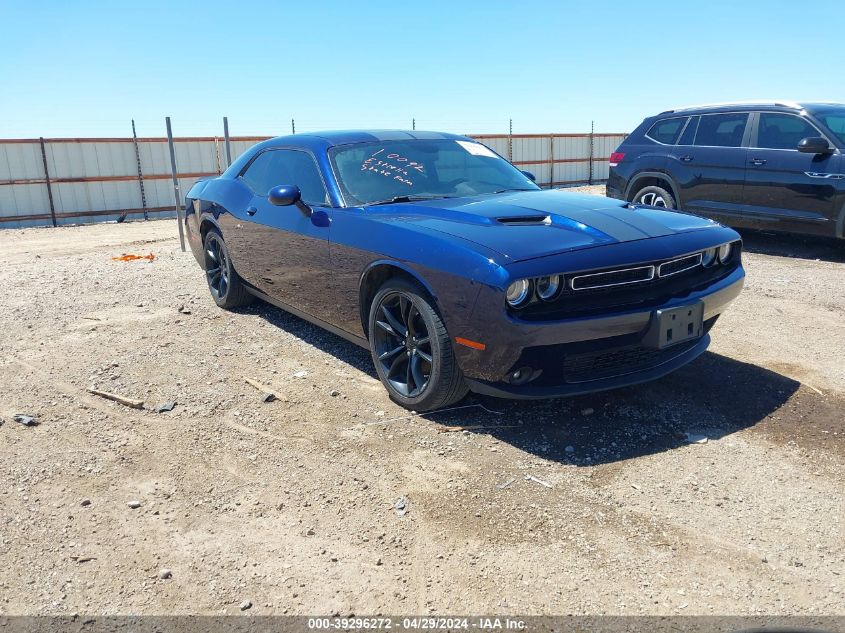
[(777, 166)]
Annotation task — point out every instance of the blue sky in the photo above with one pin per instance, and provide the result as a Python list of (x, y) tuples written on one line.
[(86, 68)]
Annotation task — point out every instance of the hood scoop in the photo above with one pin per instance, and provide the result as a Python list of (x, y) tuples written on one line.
[(525, 220)]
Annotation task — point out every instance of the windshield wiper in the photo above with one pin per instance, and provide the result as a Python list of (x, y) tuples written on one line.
[(396, 199), (513, 189)]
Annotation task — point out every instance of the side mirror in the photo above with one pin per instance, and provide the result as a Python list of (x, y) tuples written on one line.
[(814, 145), (528, 174), (286, 195)]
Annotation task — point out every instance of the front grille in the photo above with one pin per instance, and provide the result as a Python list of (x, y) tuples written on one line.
[(598, 359), (597, 365), (678, 265), (645, 286), (613, 278)]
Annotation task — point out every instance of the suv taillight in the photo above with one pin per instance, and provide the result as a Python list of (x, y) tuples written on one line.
[(616, 158)]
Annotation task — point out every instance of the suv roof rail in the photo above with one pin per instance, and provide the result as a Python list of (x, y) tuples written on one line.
[(783, 103)]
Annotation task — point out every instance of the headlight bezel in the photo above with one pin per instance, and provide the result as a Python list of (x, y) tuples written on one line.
[(725, 252), (554, 288), (526, 291)]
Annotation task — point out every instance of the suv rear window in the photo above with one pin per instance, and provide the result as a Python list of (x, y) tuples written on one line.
[(667, 130), (721, 130)]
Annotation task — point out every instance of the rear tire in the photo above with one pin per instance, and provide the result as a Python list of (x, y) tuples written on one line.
[(411, 349), (654, 196), (226, 287)]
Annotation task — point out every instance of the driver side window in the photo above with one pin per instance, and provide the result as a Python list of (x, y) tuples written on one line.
[(277, 167), (782, 131)]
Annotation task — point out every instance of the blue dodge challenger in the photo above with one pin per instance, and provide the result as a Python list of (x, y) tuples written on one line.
[(455, 270)]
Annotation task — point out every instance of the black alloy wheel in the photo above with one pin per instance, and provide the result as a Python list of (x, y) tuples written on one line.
[(216, 266), (411, 350), (226, 287), (403, 345)]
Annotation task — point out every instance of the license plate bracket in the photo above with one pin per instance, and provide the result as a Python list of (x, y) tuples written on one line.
[(671, 326)]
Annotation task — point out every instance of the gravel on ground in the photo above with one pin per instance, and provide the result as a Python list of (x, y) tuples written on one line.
[(715, 490)]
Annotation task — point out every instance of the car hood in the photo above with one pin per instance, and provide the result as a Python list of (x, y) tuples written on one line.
[(530, 224)]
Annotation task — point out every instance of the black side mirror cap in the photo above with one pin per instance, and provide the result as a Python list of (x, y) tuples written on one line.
[(286, 195), (814, 145), (528, 174)]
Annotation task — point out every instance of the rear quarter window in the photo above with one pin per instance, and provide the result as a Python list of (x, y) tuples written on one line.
[(667, 130), (721, 130)]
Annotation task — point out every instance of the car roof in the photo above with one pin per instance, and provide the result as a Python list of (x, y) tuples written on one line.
[(331, 138), (777, 105), (734, 105), (319, 142)]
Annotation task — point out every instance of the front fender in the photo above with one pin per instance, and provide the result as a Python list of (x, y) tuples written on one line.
[(450, 269), (403, 266)]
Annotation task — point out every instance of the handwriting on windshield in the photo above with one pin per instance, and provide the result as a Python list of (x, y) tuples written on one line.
[(393, 166)]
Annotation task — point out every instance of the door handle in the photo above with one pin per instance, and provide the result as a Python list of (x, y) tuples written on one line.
[(251, 211), (686, 158), (757, 162)]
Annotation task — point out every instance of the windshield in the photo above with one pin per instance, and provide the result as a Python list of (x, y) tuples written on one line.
[(411, 169), (835, 122)]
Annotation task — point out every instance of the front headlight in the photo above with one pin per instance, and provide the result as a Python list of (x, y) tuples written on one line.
[(725, 251), (518, 292), (708, 257), (548, 287)]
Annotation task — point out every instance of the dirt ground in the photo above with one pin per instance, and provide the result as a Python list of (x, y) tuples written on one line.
[(290, 504)]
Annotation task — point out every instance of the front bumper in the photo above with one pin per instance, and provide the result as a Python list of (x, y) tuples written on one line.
[(611, 347), (624, 379)]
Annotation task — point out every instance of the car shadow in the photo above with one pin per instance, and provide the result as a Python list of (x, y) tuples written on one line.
[(712, 397), (827, 249)]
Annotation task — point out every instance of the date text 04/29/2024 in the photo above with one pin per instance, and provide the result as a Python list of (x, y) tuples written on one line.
[(431, 623)]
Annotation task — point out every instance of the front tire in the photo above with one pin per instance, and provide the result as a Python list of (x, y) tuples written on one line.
[(411, 349), (226, 287), (655, 196)]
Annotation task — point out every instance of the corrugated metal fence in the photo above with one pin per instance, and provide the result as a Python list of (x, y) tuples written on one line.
[(72, 180)]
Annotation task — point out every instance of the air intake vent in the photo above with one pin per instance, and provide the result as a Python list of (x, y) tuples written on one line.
[(520, 220)]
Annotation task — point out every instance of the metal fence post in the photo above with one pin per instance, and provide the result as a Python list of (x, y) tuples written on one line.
[(47, 180), (228, 145), (510, 140), (592, 141), (176, 195), (551, 161), (140, 173)]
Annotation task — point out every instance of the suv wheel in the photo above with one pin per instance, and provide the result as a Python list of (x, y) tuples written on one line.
[(411, 349), (654, 196)]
